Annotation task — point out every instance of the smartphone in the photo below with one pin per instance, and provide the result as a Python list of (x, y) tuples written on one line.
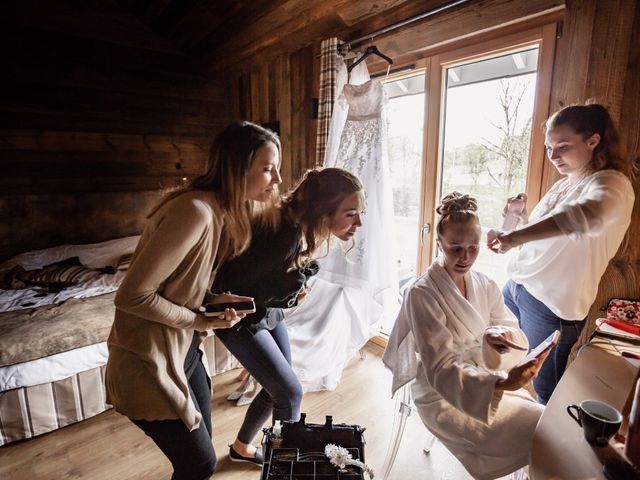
[(547, 344), (213, 309)]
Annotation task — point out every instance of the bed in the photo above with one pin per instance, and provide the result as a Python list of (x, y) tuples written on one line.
[(53, 343)]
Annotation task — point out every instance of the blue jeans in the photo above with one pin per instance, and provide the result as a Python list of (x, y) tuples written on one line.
[(266, 354), (191, 453), (538, 322)]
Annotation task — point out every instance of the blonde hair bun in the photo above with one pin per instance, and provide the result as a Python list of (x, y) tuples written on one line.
[(457, 202)]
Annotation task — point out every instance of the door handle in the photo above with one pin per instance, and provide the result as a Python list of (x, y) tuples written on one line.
[(426, 229)]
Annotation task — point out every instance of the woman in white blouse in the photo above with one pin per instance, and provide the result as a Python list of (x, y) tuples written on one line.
[(571, 234)]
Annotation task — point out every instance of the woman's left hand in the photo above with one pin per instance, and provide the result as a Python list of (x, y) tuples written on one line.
[(499, 241), (522, 374)]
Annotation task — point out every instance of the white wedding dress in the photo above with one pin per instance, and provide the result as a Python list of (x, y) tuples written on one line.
[(355, 290)]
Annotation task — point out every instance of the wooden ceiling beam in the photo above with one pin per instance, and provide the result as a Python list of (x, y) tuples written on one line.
[(356, 12), (171, 15), (275, 25), (148, 11), (360, 24), (315, 21), (253, 16), (32, 46), (84, 21), (213, 21), (438, 32)]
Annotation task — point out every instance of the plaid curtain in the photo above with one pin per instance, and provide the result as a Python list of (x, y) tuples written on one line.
[(327, 96)]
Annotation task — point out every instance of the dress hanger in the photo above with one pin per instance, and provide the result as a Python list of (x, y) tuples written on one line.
[(372, 50)]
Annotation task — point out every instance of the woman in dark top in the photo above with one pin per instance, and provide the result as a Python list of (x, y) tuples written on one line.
[(274, 270)]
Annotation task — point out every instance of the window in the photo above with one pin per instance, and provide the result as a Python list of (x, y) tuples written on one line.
[(468, 121)]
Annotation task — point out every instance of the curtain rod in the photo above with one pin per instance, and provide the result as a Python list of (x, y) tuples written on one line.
[(395, 26)]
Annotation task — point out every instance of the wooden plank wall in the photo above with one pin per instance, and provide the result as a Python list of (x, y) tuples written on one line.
[(282, 90), (597, 55), (253, 80), (95, 113)]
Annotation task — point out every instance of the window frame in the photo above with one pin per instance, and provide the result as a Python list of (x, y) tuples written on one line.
[(435, 67)]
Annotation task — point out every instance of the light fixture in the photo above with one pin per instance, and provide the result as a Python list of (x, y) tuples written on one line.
[(180, 168)]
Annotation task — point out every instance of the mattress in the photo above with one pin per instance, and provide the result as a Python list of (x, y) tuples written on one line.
[(52, 345), (52, 357), (30, 411), (96, 255), (54, 367), (66, 388), (39, 332)]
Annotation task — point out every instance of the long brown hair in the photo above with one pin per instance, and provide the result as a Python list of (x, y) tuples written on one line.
[(230, 158), (587, 120), (315, 200)]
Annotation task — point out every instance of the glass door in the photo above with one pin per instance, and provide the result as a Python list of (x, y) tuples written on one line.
[(488, 113), (467, 121), (483, 136), (405, 129)]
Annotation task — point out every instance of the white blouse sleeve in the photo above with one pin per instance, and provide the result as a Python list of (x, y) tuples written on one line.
[(606, 200), (465, 386)]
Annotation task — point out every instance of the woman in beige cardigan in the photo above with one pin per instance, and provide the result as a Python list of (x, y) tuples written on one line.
[(156, 374)]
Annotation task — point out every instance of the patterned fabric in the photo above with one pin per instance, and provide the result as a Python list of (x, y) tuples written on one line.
[(27, 412), (72, 274), (625, 310), (124, 261), (30, 411), (328, 80), (34, 333)]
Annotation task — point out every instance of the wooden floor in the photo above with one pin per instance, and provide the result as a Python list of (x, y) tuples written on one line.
[(109, 447)]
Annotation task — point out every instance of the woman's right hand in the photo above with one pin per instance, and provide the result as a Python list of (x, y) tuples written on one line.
[(520, 375), (523, 216), (227, 319)]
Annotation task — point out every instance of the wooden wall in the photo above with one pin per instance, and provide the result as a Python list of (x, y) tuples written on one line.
[(95, 113), (255, 80), (282, 90), (597, 55)]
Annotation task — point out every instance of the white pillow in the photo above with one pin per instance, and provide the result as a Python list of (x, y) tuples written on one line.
[(93, 255)]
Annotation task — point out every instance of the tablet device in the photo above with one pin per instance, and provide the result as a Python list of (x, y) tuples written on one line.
[(547, 344), (214, 309)]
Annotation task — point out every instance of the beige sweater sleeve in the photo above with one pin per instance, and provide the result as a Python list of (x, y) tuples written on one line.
[(180, 228)]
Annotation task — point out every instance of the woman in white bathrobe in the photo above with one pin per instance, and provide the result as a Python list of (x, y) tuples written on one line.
[(467, 388)]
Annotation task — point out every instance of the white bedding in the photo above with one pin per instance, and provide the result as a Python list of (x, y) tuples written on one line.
[(65, 364), (11, 300), (95, 255), (53, 368)]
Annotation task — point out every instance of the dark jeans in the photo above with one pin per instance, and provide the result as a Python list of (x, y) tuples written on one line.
[(266, 354), (191, 453), (538, 322)]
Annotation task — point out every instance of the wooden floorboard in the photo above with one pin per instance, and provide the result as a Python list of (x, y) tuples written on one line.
[(109, 447)]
